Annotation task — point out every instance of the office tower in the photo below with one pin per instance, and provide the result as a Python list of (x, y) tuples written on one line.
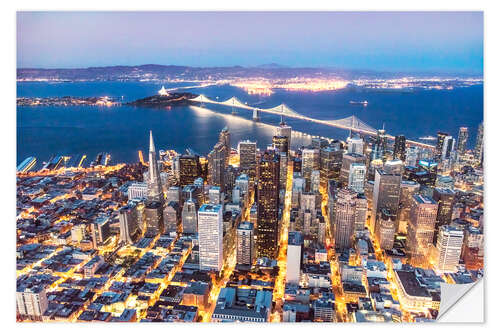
[(189, 169), (210, 237), (245, 251), (216, 165), (463, 136), (439, 145), (430, 167), (357, 174), (318, 143), (379, 146), (412, 156), (230, 175), (386, 229), (330, 162), (242, 181), (345, 217), (386, 191), (267, 205), (174, 194), (283, 170), (374, 166), (189, 217), (285, 130), (280, 143), (153, 217), (171, 217), (31, 299), (310, 162), (155, 192), (355, 145), (449, 248), (361, 213), (399, 148), (225, 139), (448, 146), (215, 195), (421, 228), (248, 158), (315, 180), (478, 149), (129, 226), (445, 199), (100, 231), (294, 257), (137, 191), (347, 160), (408, 189), (395, 167)]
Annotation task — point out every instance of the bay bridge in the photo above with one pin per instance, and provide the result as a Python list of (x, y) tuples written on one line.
[(351, 123)]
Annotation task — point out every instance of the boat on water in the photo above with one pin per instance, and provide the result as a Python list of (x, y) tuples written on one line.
[(364, 103)]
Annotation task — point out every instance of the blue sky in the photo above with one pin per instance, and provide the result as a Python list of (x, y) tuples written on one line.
[(399, 41)]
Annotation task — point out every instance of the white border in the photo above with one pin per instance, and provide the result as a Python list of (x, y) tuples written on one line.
[(492, 114)]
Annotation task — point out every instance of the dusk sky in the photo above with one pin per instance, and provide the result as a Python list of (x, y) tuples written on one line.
[(411, 41)]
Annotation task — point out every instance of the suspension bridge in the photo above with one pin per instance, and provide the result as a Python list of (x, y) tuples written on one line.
[(351, 123)]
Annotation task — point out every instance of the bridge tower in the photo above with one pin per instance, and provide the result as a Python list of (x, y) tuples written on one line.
[(232, 109), (256, 115)]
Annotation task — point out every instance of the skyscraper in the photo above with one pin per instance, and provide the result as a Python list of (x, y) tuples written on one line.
[(245, 250), (379, 146), (189, 169), (267, 205), (421, 228), (285, 130), (216, 164), (345, 217), (399, 148), (355, 145), (357, 174), (385, 194), (294, 257), (347, 160), (478, 149), (280, 143), (408, 189), (210, 237), (449, 247), (189, 217), (248, 159), (225, 139), (445, 199), (330, 162), (310, 162), (155, 192), (153, 216), (439, 145), (386, 229), (463, 136), (448, 146), (129, 226)]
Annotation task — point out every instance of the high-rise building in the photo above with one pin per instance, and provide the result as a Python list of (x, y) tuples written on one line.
[(225, 139), (171, 217), (215, 195), (280, 143), (449, 248), (361, 213), (248, 158), (386, 229), (129, 224), (421, 228), (355, 145), (283, 170), (386, 191), (189, 217), (137, 191), (153, 216), (267, 205), (412, 156), (448, 146), (245, 250), (347, 160), (379, 146), (155, 192), (315, 180), (430, 167), (294, 257), (189, 169), (445, 199), (285, 130), (345, 217), (310, 162), (210, 237), (408, 189), (478, 149), (439, 145), (463, 136), (395, 166), (216, 164), (399, 148), (330, 163), (357, 174)]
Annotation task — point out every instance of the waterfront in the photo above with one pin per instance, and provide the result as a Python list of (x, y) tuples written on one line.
[(122, 130)]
